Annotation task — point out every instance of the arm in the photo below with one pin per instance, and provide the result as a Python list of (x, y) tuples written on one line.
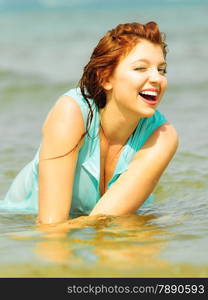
[(61, 132), (133, 187)]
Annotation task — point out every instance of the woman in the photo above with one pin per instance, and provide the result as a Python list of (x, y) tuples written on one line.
[(104, 145)]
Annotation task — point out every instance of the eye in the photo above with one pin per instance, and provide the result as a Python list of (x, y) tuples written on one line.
[(162, 70), (140, 69)]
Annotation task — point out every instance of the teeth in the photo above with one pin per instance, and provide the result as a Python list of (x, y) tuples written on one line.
[(150, 93)]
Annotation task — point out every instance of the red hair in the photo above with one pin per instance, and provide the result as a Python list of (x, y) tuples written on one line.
[(115, 44)]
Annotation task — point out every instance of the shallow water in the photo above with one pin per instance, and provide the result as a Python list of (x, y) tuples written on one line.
[(130, 246), (169, 238)]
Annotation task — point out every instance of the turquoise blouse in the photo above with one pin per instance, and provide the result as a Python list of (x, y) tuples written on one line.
[(23, 193)]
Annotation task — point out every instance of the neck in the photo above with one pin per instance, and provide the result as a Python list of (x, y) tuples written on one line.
[(117, 129)]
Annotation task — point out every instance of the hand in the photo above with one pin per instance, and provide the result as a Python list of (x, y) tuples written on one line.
[(61, 229)]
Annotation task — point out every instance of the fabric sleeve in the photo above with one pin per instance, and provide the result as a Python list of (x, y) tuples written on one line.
[(153, 123), (146, 127)]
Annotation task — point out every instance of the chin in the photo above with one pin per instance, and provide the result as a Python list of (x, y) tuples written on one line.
[(147, 113)]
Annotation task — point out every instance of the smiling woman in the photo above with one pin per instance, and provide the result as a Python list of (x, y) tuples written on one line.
[(104, 144)]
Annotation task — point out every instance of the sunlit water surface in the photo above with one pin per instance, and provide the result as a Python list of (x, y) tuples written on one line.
[(169, 238)]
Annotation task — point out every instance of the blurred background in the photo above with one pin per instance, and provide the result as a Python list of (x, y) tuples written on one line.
[(44, 45)]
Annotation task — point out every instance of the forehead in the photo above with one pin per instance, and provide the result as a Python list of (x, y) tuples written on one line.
[(144, 51)]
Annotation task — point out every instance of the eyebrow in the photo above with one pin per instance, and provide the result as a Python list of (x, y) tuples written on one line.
[(147, 61)]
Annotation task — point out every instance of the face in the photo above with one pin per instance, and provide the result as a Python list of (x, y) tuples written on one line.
[(139, 82)]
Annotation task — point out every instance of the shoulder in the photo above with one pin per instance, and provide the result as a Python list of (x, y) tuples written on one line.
[(65, 113), (166, 136), (78, 97), (63, 126), (147, 126), (164, 139), (161, 131), (162, 143)]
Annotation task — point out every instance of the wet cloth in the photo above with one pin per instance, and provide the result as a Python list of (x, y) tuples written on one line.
[(23, 193)]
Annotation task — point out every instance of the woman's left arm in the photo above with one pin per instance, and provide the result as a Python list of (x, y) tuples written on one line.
[(133, 187)]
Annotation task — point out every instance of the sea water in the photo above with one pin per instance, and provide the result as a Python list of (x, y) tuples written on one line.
[(44, 46)]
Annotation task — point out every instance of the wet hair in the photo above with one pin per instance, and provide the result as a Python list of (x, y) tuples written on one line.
[(115, 45)]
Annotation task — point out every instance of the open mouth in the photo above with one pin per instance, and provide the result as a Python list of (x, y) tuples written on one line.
[(149, 97)]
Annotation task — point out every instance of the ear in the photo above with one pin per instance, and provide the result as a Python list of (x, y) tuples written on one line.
[(105, 80), (107, 84)]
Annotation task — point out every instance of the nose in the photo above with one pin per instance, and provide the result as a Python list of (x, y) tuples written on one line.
[(154, 75)]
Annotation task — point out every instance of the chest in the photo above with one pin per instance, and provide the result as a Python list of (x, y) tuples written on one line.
[(109, 156)]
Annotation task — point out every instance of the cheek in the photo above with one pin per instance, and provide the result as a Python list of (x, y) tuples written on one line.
[(125, 77)]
